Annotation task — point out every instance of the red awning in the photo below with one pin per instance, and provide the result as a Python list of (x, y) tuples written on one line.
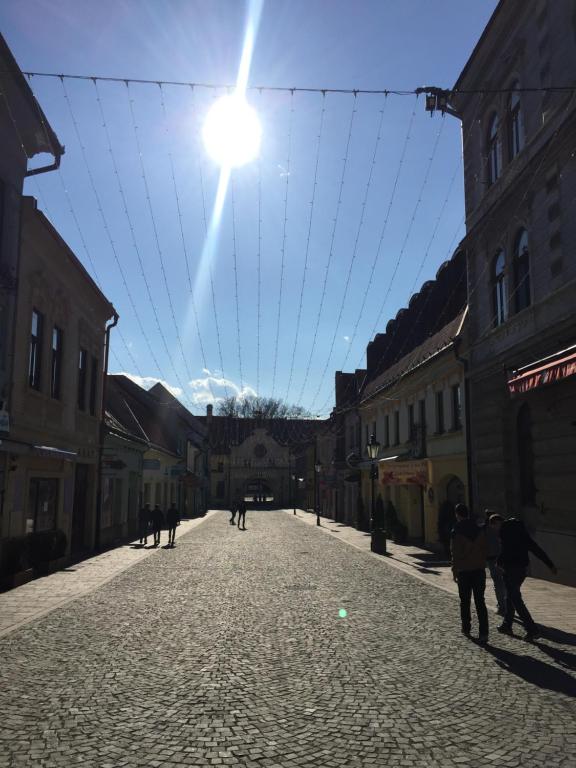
[(542, 373)]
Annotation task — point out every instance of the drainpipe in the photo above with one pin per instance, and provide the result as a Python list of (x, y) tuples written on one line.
[(102, 431), (465, 366)]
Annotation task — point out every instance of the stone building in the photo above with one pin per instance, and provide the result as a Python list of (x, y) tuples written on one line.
[(520, 184), (59, 356)]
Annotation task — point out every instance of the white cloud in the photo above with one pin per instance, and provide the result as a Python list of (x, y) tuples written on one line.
[(346, 338), (213, 388), (146, 382)]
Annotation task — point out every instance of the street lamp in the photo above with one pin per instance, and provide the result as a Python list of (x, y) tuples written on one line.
[(318, 469), (294, 486), (373, 449)]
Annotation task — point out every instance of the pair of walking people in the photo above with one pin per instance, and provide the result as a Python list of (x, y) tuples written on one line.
[(239, 508), (151, 521), (473, 548)]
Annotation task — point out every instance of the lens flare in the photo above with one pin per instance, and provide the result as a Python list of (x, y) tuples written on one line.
[(232, 132)]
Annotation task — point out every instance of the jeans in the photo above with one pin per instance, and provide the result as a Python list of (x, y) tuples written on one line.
[(473, 583), (513, 579), (499, 586)]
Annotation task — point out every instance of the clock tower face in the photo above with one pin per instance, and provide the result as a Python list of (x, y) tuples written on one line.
[(260, 451)]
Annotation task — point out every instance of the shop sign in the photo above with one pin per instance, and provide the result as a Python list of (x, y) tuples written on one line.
[(403, 473)]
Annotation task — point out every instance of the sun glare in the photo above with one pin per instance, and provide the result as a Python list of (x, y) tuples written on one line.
[(232, 132)]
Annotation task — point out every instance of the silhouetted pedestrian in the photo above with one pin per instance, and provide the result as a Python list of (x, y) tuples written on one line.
[(446, 520), (469, 548), (233, 510), (242, 514), (493, 525), (514, 561), (172, 520), (144, 523), (157, 523)]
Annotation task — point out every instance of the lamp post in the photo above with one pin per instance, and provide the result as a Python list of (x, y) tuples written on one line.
[(317, 469), (378, 542), (294, 487)]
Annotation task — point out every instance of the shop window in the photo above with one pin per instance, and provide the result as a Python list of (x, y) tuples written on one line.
[(43, 502), (525, 455), (56, 370), (35, 359), (82, 364), (499, 299), (515, 123), (521, 272)]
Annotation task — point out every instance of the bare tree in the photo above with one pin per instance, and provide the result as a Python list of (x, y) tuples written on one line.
[(265, 407)]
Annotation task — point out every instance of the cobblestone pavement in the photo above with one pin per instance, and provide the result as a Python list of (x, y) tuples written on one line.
[(229, 650)]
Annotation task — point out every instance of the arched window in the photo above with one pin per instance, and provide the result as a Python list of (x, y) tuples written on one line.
[(525, 455), (521, 272), (515, 123), (493, 151), (499, 299)]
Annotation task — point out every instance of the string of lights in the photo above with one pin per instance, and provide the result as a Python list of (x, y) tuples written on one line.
[(183, 241), (283, 246), (294, 89), (330, 249), (307, 249), (381, 239), (210, 275), (259, 269), (236, 296)]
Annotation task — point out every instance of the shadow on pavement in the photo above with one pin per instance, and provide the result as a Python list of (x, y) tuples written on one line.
[(557, 635), (534, 671)]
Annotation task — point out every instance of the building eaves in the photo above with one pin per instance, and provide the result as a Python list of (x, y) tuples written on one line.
[(480, 44)]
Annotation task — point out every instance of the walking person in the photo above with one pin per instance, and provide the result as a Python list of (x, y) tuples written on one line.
[(233, 510), (172, 520), (469, 548), (514, 561), (446, 520), (242, 514), (493, 525), (144, 523), (157, 523)]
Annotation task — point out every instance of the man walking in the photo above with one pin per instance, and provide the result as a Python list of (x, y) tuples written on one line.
[(514, 562), (157, 523), (242, 514), (469, 550), (172, 520), (144, 523), (493, 525)]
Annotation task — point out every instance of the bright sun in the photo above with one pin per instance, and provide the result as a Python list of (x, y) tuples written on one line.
[(232, 132)]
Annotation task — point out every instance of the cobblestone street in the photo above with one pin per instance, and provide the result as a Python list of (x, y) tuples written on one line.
[(230, 650)]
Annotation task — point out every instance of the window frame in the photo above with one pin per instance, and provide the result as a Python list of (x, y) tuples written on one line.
[(493, 150), (56, 363), (35, 352), (82, 371), (456, 399), (500, 306), (515, 122), (440, 416), (93, 389), (521, 272)]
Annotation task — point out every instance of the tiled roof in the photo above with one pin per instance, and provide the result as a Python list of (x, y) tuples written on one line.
[(417, 357)]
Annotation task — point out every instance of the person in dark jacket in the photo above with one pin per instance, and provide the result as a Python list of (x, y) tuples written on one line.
[(172, 520), (469, 549), (446, 520), (516, 543), (157, 523), (493, 526), (242, 514), (144, 523)]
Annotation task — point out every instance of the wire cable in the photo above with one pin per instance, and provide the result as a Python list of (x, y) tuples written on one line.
[(307, 250), (236, 296)]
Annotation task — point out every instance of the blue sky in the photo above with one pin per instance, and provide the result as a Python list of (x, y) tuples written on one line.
[(380, 226)]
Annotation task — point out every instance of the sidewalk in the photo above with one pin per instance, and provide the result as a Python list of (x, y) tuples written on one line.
[(40, 596), (552, 605)]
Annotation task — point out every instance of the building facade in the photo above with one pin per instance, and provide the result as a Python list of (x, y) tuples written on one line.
[(56, 391), (520, 184)]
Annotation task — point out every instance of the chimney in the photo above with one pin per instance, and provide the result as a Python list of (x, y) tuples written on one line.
[(209, 409)]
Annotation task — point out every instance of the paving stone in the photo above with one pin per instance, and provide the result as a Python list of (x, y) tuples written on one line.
[(229, 650)]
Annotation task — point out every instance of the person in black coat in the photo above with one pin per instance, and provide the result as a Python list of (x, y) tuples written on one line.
[(172, 520), (144, 523), (242, 514), (157, 524), (513, 559)]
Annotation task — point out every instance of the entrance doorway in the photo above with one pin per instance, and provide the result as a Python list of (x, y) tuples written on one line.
[(258, 492)]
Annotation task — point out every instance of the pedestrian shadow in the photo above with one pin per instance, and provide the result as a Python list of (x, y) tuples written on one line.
[(563, 658), (534, 671), (557, 635), (137, 546)]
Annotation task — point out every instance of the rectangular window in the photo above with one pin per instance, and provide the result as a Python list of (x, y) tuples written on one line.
[(440, 412), (82, 363), (422, 413), (456, 407), (411, 419), (396, 427), (386, 431), (35, 360), (94, 385), (43, 503), (56, 372)]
